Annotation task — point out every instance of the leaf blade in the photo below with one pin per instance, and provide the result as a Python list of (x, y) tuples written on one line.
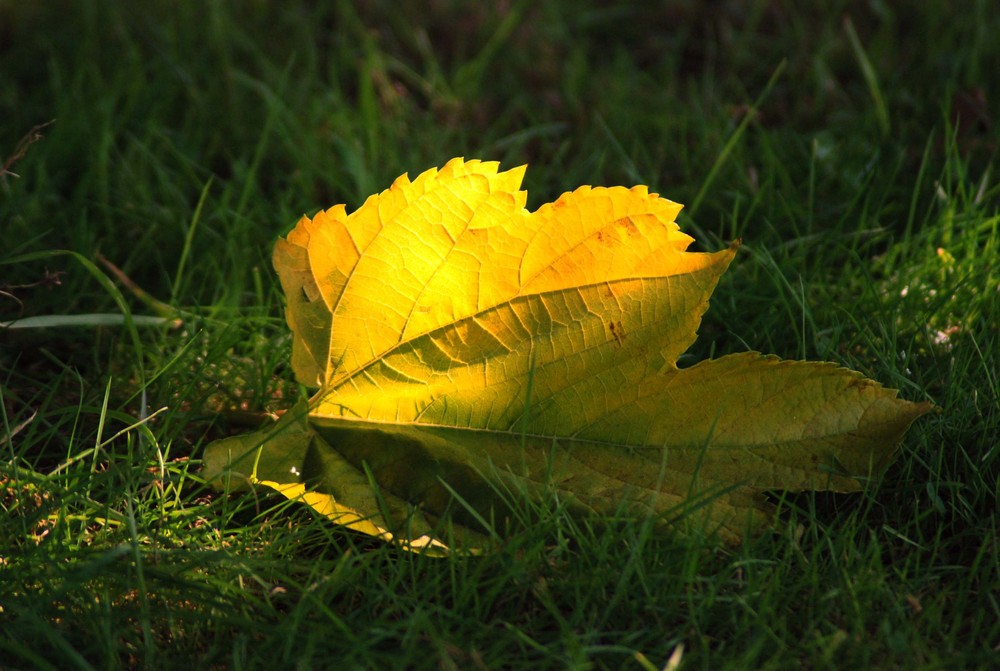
[(465, 347)]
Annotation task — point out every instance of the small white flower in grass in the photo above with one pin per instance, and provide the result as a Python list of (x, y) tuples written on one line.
[(943, 339)]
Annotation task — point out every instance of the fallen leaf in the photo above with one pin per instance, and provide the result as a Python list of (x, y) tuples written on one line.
[(467, 351)]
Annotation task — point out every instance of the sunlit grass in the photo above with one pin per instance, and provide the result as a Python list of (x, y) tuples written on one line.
[(856, 162)]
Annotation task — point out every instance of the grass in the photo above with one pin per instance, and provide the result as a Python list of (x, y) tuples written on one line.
[(853, 149)]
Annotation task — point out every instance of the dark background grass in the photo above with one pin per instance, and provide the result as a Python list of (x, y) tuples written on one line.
[(851, 145)]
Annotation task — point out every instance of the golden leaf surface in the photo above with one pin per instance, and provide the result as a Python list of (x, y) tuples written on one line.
[(464, 347)]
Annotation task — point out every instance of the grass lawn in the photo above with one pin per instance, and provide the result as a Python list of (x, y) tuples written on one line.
[(852, 148)]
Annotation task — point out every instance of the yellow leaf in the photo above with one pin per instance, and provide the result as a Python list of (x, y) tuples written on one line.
[(464, 346)]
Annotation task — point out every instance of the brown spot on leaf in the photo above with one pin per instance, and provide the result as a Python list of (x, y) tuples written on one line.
[(626, 223), (617, 331)]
